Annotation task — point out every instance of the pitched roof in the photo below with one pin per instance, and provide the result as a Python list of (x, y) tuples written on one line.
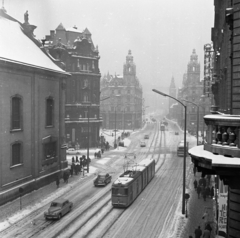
[(16, 47), (60, 27)]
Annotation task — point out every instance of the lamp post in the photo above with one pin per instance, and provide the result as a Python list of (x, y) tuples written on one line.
[(184, 158), (197, 115), (89, 133)]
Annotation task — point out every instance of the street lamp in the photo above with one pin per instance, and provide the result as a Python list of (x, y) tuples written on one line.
[(184, 158)]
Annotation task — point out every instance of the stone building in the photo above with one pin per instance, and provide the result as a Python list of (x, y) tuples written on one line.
[(75, 52), (220, 156), (192, 91), (124, 109), (32, 128)]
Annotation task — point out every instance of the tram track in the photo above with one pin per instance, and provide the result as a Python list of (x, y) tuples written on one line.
[(98, 208)]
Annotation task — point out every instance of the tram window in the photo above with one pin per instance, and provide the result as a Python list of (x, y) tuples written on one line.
[(120, 191)]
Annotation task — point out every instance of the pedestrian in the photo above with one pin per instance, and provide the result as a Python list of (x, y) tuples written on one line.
[(204, 194), (204, 182), (212, 192), (57, 181), (194, 170), (73, 160), (195, 184), (199, 190), (208, 227), (209, 178), (205, 217), (206, 233), (198, 232), (102, 150), (208, 191)]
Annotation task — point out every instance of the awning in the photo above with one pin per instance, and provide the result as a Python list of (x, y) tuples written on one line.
[(215, 160)]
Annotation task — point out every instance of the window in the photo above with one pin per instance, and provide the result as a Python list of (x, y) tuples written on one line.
[(86, 114), (93, 64), (85, 97), (50, 150), (16, 153), (16, 119), (49, 112), (85, 83)]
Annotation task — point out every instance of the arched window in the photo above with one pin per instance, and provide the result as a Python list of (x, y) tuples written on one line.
[(49, 111), (16, 115)]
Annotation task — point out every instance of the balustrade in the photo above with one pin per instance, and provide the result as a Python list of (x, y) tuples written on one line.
[(223, 135)]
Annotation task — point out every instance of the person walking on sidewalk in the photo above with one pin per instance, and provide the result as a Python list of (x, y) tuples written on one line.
[(206, 233), (199, 190), (198, 232), (195, 184), (212, 192)]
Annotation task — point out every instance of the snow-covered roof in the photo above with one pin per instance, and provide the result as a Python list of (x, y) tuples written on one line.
[(123, 180), (16, 47), (216, 160)]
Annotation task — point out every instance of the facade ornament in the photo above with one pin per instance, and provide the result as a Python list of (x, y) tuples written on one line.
[(26, 17)]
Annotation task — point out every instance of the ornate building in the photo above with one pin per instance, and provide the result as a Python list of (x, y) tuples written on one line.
[(220, 156), (75, 52), (32, 128), (192, 90), (124, 109)]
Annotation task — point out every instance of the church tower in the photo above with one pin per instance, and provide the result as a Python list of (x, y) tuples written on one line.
[(193, 69), (172, 92), (129, 69)]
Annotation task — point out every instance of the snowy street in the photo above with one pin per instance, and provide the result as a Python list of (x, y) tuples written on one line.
[(155, 213)]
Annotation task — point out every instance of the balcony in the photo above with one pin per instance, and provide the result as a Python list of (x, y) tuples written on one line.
[(223, 134)]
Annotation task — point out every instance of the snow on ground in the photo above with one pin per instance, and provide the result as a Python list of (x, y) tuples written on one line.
[(31, 208)]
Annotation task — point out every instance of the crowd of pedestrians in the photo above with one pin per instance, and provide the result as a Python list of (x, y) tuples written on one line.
[(76, 168), (204, 190)]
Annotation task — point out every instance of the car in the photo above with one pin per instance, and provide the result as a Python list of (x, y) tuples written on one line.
[(143, 144), (72, 151), (180, 148), (102, 179), (58, 208), (176, 133), (146, 137)]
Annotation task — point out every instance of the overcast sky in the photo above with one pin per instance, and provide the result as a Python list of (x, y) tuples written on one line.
[(160, 33)]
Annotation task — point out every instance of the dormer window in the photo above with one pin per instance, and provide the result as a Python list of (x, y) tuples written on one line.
[(193, 69)]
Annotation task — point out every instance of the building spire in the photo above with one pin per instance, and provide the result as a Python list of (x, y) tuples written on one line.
[(3, 6)]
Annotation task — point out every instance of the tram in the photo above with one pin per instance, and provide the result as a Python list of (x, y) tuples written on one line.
[(132, 182)]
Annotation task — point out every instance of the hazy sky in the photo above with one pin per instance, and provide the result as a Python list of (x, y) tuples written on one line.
[(160, 33)]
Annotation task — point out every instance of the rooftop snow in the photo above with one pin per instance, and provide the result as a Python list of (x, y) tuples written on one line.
[(16, 47), (216, 160)]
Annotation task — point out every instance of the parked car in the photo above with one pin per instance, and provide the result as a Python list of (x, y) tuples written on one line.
[(146, 137), (142, 143), (58, 208), (72, 151), (102, 179)]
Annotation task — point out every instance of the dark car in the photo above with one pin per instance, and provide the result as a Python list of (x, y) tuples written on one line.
[(146, 137), (58, 208), (102, 179)]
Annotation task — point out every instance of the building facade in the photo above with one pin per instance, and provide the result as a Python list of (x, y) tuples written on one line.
[(32, 92), (220, 156), (75, 52), (192, 91), (124, 109)]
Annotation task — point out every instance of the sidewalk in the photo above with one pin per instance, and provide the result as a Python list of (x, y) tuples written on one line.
[(196, 208)]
